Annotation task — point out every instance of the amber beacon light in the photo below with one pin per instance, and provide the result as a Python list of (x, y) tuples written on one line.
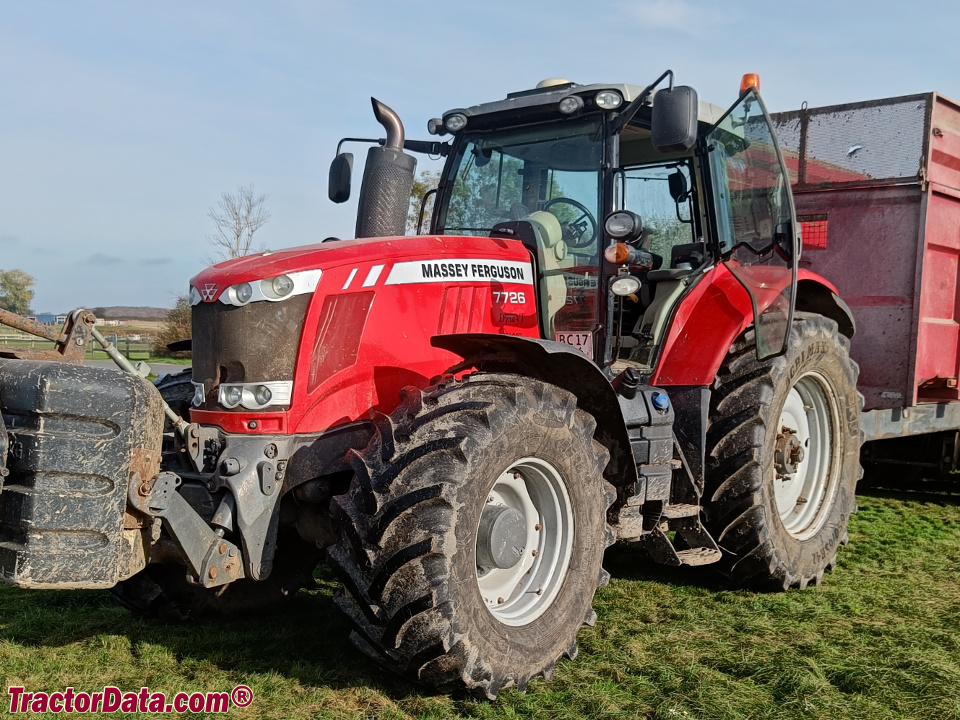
[(750, 80)]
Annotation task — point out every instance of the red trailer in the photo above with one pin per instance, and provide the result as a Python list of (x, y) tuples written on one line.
[(877, 192)]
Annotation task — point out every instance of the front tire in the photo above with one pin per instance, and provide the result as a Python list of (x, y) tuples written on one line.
[(784, 457), (473, 533)]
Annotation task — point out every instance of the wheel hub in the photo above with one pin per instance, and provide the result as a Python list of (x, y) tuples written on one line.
[(501, 537), (788, 454), (524, 541), (806, 455)]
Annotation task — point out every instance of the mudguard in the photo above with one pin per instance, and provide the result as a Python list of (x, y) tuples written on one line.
[(716, 311), (559, 365)]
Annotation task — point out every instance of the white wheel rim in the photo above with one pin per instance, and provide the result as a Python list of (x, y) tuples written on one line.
[(804, 497), (520, 594)]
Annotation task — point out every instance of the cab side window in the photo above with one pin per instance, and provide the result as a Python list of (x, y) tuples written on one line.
[(660, 194)]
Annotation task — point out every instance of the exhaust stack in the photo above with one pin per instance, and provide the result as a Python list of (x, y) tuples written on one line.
[(387, 181)]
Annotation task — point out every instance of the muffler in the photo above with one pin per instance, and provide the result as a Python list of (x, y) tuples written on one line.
[(387, 181)]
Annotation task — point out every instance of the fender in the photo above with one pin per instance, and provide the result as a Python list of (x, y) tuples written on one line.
[(559, 365), (716, 311)]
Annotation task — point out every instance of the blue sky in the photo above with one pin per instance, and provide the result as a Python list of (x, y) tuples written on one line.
[(121, 123)]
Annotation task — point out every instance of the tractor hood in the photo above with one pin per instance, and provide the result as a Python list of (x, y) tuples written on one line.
[(302, 339), (211, 284)]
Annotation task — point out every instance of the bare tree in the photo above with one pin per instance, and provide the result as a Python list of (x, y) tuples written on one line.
[(236, 218)]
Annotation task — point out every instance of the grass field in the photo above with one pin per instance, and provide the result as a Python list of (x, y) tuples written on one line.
[(879, 639)]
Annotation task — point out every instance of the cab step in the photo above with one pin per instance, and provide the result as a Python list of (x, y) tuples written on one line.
[(672, 512), (698, 547), (698, 556)]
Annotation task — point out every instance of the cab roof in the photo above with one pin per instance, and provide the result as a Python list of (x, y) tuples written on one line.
[(520, 104)]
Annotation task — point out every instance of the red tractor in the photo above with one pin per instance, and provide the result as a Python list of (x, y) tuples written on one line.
[(603, 336)]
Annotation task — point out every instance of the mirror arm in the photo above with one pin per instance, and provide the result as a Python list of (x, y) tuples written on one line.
[(630, 110), (427, 147)]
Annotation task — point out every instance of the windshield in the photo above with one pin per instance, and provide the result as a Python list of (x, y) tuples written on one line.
[(506, 176), (532, 174)]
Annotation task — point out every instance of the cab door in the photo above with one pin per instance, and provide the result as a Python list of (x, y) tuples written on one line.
[(754, 217)]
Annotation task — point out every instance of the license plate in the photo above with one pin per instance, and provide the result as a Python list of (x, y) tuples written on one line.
[(582, 341)]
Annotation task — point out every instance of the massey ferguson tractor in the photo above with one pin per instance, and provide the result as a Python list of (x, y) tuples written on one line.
[(604, 334)]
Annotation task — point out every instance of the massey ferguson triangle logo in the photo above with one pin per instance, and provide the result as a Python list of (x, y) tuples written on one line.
[(209, 292)]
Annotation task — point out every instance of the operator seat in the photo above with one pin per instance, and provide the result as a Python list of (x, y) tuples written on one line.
[(669, 284), (553, 258)]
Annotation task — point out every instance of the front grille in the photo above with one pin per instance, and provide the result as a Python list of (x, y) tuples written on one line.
[(253, 343)]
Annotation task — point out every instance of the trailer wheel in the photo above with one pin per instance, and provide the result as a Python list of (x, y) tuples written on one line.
[(784, 457), (473, 533)]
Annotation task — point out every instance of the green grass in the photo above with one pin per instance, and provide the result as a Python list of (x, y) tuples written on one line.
[(879, 639)]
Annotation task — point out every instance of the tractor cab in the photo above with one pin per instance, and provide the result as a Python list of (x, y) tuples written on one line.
[(579, 171)]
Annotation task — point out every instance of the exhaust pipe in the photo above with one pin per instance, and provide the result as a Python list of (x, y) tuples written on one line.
[(387, 181), (391, 123)]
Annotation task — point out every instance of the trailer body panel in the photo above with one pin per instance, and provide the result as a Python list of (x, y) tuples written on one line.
[(877, 191)]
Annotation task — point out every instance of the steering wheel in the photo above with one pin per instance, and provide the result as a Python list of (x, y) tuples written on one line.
[(575, 233)]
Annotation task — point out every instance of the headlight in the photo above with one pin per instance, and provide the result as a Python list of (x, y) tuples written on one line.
[(608, 99), (262, 394), (455, 123), (623, 224), (625, 285), (570, 105), (243, 291), (272, 289), (198, 394), (230, 395), (256, 396), (282, 285)]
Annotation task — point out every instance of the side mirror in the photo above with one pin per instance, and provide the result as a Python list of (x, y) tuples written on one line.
[(340, 171), (678, 186), (783, 239), (673, 123)]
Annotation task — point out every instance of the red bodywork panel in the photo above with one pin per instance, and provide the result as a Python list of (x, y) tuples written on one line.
[(710, 317), (376, 288)]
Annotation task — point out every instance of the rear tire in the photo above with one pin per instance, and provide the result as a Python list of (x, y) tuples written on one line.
[(411, 553), (780, 513)]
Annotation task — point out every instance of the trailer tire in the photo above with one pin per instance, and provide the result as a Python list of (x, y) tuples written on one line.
[(773, 535), (412, 541)]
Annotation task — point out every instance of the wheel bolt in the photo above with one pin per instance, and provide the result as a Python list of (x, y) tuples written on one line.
[(213, 573), (500, 601), (222, 548), (538, 527), (534, 552)]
